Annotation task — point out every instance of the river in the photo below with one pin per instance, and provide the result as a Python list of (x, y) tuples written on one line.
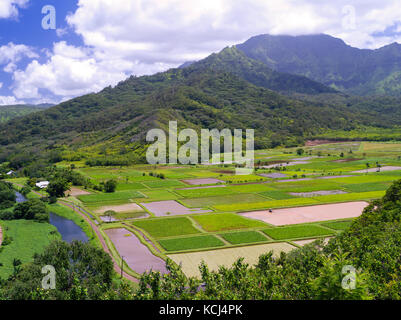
[(68, 229)]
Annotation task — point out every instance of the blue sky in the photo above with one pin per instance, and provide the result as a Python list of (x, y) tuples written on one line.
[(101, 42)]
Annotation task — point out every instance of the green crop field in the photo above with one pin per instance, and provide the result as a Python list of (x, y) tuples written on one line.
[(266, 204), (297, 232), (191, 243), (204, 192), (164, 184), (226, 221), (225, 199), (338, 225), (277, 195), (244, 237), (167, 227), (365, 187)]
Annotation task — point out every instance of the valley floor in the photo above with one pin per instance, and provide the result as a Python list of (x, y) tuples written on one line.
[(208, 213)]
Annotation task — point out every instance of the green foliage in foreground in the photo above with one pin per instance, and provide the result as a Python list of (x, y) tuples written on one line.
[(82, 272), (191, 243)]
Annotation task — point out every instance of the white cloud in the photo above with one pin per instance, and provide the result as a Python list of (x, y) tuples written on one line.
[(9, 8), (9, 100), (123, 37), (71, 71), (11, 53)]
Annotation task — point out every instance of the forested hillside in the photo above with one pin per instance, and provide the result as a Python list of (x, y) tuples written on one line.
[(330, 61), (13, 111)]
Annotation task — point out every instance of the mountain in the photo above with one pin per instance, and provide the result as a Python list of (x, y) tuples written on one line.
[(236, 62), (330, 61), (225, 90), (113, 123), (12, 111)]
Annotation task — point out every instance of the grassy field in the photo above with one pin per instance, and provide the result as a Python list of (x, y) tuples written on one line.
[(191, 243), (28, 238), (225, 221), (167, 227)]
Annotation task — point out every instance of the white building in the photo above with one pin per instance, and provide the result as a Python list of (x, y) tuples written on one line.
[(10, 173), (42, 184)]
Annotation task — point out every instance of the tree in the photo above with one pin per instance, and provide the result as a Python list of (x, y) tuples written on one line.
[(57, 188), (25, 190), (110, 214), (300, 151), (82, 272), (33, 209), (110, 186)]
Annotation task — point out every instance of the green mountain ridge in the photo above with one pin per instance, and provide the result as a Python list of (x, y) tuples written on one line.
[(330, 61), (225, 90)]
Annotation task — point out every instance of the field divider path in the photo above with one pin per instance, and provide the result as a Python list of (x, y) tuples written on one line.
[(196, 225), (1, 236), (150, 242), (222, 239), (117, 267)]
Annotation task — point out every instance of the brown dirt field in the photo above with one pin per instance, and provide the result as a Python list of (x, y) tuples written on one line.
[(76, 192), (129, 207), (202, 181), (226, 257), (207, 187), (138, 256), (326, 212)]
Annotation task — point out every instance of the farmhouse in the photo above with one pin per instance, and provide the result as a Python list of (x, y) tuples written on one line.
[(10, 173), (42, 184)]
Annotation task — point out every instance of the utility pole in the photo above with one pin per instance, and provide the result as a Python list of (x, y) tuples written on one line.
[(122, 266)]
